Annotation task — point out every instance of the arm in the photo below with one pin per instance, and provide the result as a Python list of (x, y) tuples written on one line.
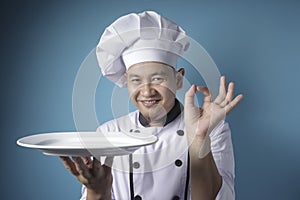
[(205, 178), (97, 178), (222, 151)]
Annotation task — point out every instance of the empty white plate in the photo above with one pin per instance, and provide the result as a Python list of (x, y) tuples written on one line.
[(87, 143)]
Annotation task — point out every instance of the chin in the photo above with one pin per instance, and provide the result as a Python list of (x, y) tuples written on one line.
[(155, 113)]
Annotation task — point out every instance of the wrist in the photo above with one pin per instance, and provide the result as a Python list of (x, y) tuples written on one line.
[(200, 147), (205, 148), (95, 195)]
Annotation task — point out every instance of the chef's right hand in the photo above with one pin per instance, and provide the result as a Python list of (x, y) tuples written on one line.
[(96, 177)]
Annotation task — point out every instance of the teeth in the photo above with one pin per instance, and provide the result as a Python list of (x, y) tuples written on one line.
[(149, 102), (152, 101)]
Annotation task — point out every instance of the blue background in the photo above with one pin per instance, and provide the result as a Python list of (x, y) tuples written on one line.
[(254, 43)]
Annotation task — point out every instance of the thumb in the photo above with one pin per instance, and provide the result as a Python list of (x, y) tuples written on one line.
[(109, 161), (108, 164)]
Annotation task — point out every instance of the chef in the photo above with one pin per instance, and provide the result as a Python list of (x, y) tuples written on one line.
[(193, 157)]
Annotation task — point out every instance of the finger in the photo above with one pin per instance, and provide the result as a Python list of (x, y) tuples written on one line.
[(205, 91), (230, 91), (189, 96), (69, 165), (81, 167), (233, 103), (96, 165), (207, 97), (108, 164), (222, 90), (87, 161), (109, 161), (229, 95), (96, 162)]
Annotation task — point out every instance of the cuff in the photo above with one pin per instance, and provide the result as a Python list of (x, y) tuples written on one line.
[(225, 193)]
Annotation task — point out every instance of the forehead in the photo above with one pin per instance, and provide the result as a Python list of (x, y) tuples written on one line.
[(147, 68)]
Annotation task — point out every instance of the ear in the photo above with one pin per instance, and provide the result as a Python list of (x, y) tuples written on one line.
[(179, 78)]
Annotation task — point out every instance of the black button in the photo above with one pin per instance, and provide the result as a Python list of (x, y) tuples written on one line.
[(137, 197), (176, 198), (180, 132), (178, 163), (137, 131), (136, 165)]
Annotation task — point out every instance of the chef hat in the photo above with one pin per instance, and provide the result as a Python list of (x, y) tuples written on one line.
[(136, 38)]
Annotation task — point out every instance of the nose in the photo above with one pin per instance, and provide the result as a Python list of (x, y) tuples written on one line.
[(146, 90)]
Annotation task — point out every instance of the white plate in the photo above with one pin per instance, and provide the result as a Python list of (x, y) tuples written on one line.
[(87, 143)]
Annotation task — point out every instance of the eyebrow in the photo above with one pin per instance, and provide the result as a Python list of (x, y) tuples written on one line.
[(162, 73), (133, 75)]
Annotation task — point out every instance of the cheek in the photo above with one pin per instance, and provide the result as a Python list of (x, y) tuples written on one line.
[(132, 91), (170, 85), (169, 89)]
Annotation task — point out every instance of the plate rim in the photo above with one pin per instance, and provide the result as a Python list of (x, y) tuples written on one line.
[(21, 142)]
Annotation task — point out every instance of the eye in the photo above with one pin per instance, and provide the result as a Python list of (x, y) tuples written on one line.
[(157, 79), (135, 80)]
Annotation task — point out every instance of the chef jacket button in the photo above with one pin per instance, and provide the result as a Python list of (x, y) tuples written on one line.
[(137, 197), (180, 132), (176, 198), (137, 131), (136, 165), (178, 163)]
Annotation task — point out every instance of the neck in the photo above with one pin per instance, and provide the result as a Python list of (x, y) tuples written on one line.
[(152, 124)]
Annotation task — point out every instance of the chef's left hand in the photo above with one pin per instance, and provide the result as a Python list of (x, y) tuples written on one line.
[(96, 177), (199, 122)]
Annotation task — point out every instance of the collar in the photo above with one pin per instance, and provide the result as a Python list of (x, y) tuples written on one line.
[(174, 112)]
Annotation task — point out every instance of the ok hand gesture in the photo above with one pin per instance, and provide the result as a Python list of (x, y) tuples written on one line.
[(201, 121)]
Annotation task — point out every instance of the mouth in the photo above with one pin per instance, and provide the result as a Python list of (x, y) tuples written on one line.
[(149, 103)]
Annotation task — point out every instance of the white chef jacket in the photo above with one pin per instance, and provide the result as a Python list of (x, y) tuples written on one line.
[(160, 171)]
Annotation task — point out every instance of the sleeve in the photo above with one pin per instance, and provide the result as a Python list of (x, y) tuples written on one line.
[(222, 150), (83, 193)]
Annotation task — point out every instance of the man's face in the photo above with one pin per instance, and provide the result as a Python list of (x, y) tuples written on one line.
[(152, 87)]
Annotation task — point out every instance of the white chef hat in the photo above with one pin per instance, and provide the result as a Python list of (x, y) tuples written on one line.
[(136, 38)]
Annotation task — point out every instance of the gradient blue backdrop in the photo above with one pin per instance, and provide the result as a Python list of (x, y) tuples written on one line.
[(254, 43)]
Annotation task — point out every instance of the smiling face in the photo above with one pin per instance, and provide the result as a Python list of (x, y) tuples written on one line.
[(152, 87)]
